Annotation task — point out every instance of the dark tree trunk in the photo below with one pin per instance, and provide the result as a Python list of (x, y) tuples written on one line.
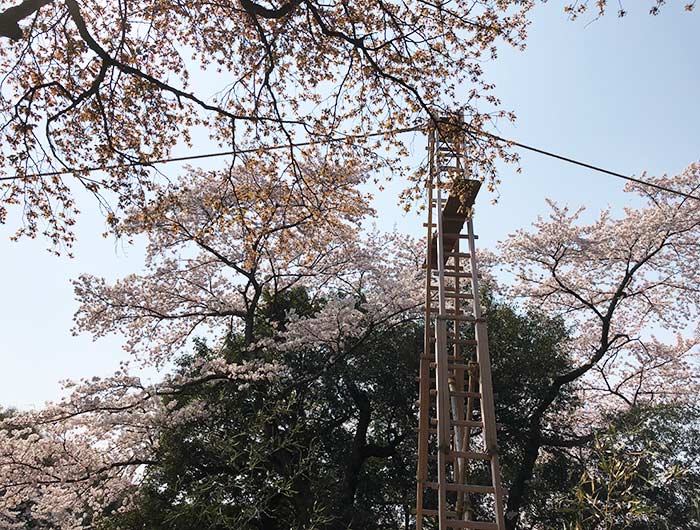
[(357, 455), (360, 451), (518, 490)]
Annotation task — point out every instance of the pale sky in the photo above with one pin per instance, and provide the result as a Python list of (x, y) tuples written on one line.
[(622, 94)]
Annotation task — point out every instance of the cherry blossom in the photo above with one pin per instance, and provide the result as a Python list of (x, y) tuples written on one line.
[(85, 455), (217, 242), (627, 285)]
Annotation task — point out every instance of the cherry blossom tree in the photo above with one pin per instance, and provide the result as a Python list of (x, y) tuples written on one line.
[(114, 85), (601, 7), (120, 83), (220, 240), (627, 287), (219, 244), (76, 459)]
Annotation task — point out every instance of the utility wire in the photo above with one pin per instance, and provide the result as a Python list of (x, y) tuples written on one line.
[(590, 166), (342, 139), (216, 154)]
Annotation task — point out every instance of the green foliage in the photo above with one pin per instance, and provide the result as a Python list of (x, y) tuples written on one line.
[(242, 467), (527, 351), (642, 474), (334, 446), (330, 447)]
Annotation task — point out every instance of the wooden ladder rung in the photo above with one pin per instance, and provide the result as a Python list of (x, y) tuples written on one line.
[(452, 366), (466, 488), (467, 455), (461, 423), (459, 342), (471, 525), (470, 455), (462, 318), (448, 267), (450, 293), (450, 314), (434, 513), (448, 311), (475, 395), (451, 274)]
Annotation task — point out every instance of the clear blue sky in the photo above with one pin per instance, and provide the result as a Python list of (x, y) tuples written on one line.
[(622, 94)]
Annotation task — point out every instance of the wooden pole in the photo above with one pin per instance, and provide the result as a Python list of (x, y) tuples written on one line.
[(488, 412), (424, 375), (441, 378)]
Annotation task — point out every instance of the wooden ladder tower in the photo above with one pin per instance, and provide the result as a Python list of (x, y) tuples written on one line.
[(459, 479)]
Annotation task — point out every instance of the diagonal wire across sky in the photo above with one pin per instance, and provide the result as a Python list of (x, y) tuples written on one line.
[(185, 158)]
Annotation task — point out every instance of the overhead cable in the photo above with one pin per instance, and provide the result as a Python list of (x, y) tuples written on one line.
[(146, 163)]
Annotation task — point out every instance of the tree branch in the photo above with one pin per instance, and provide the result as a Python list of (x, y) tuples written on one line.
[(265, 12), (556, 441), (9, 19), (79, 21)]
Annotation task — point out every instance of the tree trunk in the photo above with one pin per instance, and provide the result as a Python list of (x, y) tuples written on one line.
[(357, 455), (518, 490)]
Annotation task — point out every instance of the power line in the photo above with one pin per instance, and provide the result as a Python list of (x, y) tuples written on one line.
[(186, 158), (144, 163), (590, 166)]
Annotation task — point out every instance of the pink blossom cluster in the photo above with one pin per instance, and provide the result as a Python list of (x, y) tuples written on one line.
[(216, 245), (86, 454), (217, 241), (626, 286)]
